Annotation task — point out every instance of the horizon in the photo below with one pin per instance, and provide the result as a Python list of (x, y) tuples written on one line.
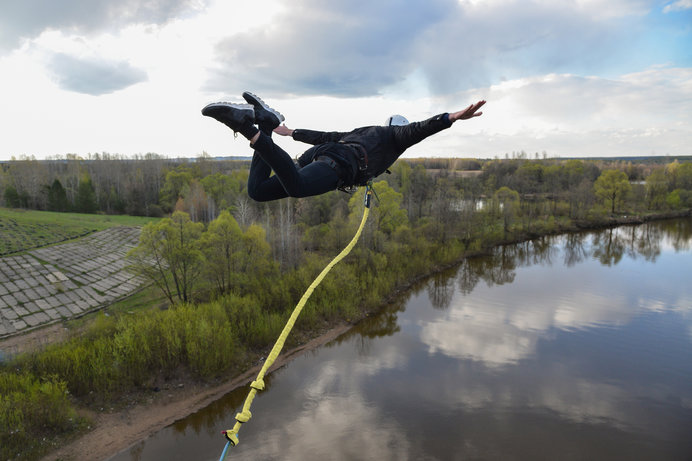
[(536, 156)]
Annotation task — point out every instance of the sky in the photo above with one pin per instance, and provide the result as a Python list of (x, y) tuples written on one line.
[(563, 78)]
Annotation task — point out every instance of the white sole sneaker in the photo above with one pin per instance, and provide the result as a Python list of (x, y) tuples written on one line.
[(233, 115), (253, 99), (232, 105)]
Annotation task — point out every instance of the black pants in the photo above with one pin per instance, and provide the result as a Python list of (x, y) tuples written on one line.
[(288, 181)]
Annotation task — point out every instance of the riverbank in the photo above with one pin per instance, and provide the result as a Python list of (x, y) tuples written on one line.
[(115, 431)]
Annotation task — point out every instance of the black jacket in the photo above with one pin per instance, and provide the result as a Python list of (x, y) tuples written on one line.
[(382, 144)]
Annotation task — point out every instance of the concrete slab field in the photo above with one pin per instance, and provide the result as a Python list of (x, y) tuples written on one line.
[(64, 281)]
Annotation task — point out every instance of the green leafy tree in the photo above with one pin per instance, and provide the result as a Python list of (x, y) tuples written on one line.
[(555, 178), (319, 209), (338, 233), (419, 191), (612, 186), (679, 198), (176, 181), (508, 200), (656, 189), (386, 215), (574, 172), (223, 249), (184, 256), (401, 174), (386, 212), (684, 176), (529, 177), (148, 259), (168, 254), (12, 198), (57, 197), (224, 188), (256, 251), (85, 201), (258, 272)]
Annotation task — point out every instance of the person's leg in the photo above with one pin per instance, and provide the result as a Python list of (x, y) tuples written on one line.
[(317, 178), (314, 179), (266, 117), (413, 133), (261, 186)]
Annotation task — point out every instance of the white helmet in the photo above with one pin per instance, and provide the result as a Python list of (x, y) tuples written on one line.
[(396, 120)]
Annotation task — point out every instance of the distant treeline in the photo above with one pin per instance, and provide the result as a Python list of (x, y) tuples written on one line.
[(523, 190), (153, 185), (147, 185)]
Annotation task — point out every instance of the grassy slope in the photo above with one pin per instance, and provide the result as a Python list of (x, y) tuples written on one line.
[(26, 229)]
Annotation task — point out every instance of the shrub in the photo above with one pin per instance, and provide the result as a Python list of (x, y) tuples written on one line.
[(210, 345), (31, 410)]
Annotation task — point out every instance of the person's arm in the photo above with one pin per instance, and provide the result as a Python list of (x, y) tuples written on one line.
[(309, 136)]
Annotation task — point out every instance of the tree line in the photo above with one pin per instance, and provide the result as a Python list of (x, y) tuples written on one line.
[(458, 198), (153, 185), (143, 185)]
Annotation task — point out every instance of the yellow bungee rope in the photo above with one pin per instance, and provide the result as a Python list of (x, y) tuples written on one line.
[(258, 384)]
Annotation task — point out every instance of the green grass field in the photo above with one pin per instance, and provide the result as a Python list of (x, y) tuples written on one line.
[(22, 230)]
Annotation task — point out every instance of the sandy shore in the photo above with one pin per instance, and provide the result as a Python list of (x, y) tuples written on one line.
[(114, 432)]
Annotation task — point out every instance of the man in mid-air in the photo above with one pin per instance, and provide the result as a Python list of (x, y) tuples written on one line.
[(337, 160)]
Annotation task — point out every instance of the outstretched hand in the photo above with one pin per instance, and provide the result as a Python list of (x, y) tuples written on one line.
[(283, 130), (470, 112)]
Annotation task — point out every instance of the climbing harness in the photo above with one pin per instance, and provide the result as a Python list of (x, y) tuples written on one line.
[(258, 384)]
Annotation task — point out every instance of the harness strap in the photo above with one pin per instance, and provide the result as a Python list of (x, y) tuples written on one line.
[(329, 161)]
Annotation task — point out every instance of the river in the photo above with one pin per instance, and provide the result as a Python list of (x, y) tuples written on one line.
[(567, 347)]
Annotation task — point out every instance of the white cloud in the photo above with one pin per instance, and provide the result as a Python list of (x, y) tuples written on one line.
[(28, 18), (614, 8), (679, 5), (644, 113), (570, 102), (94, 76)]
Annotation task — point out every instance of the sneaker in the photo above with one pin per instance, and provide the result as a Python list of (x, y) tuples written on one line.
[(266, 118), (238, 117)]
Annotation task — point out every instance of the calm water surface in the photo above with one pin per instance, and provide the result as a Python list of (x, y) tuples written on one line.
[(571, 347)]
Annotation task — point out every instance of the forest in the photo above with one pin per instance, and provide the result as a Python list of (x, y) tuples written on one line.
[(456, 193), (232, 269)]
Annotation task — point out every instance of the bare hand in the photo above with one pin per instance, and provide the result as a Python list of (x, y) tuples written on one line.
[(283, 130), (469, 112)]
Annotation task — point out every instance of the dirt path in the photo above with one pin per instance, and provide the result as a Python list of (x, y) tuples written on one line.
[(114, 432), (33, 339)]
